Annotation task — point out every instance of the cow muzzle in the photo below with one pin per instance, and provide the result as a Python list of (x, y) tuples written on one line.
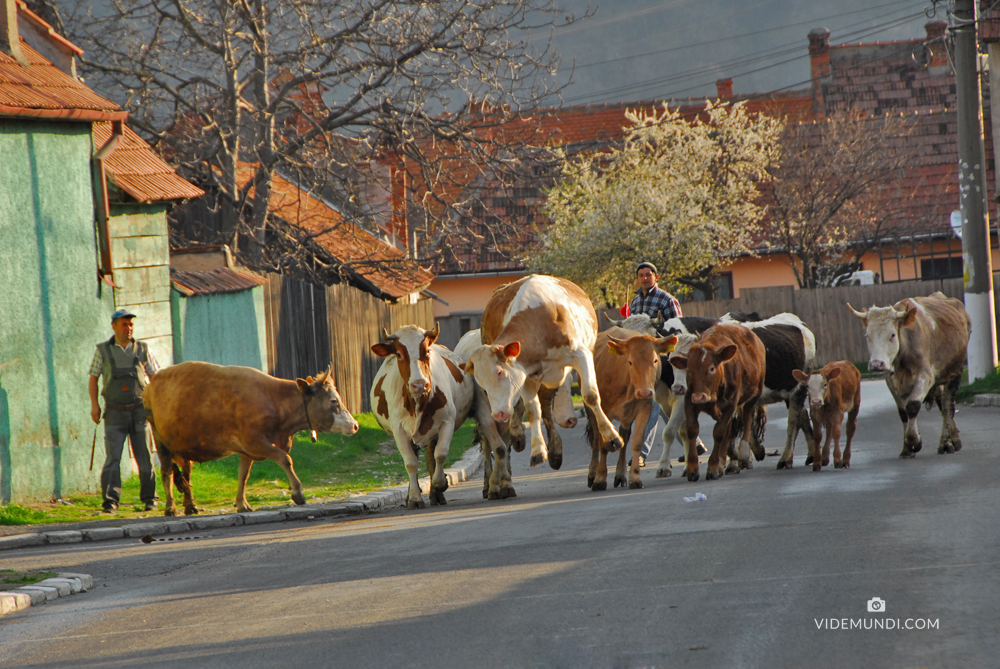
[(501, 416), (701, 398), (678, 389), (816, 403), (878, 366), (420, 388), (643, 393)]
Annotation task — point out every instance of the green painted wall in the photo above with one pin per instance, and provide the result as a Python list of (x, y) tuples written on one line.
[(52, 312), (227, 328)]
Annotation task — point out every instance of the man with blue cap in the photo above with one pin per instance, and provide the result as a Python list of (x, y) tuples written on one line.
[(125, 365)]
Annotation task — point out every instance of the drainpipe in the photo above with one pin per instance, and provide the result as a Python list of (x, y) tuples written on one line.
[(106, 269)]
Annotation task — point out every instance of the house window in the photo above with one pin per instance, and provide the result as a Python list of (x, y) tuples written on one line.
[(464, 325), (723, 288), (941, 268)]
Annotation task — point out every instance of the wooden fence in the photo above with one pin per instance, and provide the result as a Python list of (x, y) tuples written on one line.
[(309, 326), (839, 335)]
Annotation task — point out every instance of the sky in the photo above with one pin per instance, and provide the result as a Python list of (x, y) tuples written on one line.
[(633, 50)]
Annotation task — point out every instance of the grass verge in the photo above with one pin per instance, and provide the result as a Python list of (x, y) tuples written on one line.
[(15, 578), (334, 467), (988, 384)]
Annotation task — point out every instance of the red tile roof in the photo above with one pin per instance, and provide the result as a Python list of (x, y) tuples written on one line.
[(45, 91), (363, 255), (138, 171), (215, 281)]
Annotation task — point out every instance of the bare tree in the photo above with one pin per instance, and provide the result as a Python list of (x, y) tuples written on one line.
[(328, 92), (837, 191)]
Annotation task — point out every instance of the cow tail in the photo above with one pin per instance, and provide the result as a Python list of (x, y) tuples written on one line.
[(735, 432), (181, 482), (759, 423)]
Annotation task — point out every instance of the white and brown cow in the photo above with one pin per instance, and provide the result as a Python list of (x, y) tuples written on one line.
[(420, 396), (833, 390), (534, 331), (628, 370), (921, 343)]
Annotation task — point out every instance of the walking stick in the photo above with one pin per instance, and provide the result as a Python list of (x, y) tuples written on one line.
[(93, 447)]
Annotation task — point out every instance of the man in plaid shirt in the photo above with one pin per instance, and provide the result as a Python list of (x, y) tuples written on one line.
[(650, 299)]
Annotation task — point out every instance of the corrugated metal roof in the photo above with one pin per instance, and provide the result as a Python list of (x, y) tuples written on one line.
[(43, 87), (215, 281), (138, 171), (382, 265)]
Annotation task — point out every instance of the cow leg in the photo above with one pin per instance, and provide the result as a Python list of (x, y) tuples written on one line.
[(517, 436), (583, 362), (908, 411), (601, 474), (721, 434), (241, 492), (852, 425), (533, 407), (562, 405), (639, 427), (554, 441), (185, 487), (405, 447), (950, 441), (167, 476), (691, 463), (674, 428), (625, 430), (836, 419), (440, 447)]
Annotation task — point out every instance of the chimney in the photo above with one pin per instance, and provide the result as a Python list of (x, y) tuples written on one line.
[(398, 224), (819, 61), (936, 47), (724, 87), (10, 38)]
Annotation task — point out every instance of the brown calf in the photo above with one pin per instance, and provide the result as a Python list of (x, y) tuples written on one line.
[(832, 390), (725, 374)]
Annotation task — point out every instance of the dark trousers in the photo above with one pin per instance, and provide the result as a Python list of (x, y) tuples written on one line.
[(117, 426)]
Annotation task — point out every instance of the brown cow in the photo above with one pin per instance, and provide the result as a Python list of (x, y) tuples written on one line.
[(832, 390), (201, 412), (628, 369), (725, 374)]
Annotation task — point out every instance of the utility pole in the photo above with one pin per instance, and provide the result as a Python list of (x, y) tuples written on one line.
[(982, 353)]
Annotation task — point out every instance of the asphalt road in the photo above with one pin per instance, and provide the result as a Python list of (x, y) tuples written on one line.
[(758, 575)]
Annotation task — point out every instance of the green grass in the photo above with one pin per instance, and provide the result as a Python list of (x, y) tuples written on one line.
[(11, 577), (865, 374), (988, 384), (336, 466)]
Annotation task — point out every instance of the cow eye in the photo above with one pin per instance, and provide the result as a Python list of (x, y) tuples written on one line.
[(711, 370), (630, 363)]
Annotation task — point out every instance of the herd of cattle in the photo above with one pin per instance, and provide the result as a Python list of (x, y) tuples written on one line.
[(535, 331)]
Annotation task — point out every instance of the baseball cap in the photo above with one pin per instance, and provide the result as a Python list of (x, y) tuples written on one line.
[(121, 313), (646, 265)]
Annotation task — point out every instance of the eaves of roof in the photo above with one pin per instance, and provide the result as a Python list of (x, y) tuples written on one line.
[(136, 169), (214, 281)]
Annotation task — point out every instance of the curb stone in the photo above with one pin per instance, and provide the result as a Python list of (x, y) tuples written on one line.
[(986, 400), (464, 469), (63, 585)]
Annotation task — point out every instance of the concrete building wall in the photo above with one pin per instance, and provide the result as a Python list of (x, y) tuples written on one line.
[(53, 309), (225, 328), (140, 254)]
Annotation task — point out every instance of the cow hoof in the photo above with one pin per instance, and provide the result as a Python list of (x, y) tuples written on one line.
[(680, 459), (170, 511), (817, 468), (693, 476), (731, 468), (492, 495), (299, 499), (437, 498), (615, 444), (620, 482), (917, 447), (538, 459), (663, 472), (946, 448), (486, 494), (590, 481), (907, 454), (784, 464), (958, 444), (415, 504), (838, 465), (507, 492), (555, 460), (809, 459), (193, 511), (635, 485), (746, 464), (599, 485), (712, 476), (826, 462), (517, 443)]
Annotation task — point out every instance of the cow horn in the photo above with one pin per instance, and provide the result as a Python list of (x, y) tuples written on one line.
[(657, 321), (436, 331), (321, 378), (388, 337), (859, 314), (611, 320)]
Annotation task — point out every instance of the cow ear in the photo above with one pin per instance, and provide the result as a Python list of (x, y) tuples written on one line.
[(666, 345), (679, 361), (615, 346), (727, 353), (383, 350), (800, 376), (304, 386), (909, 318), (833, 373), (466, 367), (512, 350)]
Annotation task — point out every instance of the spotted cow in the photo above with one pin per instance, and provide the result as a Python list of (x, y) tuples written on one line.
[(420, 396), (920, 342)]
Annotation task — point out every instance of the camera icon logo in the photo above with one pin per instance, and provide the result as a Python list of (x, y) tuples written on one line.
[(876, 605)]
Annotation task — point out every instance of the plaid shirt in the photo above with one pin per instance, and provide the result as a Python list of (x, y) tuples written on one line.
[(653, 301), (97, 364)]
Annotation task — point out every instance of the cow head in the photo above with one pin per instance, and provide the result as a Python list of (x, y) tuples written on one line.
[(325, 409), (411, 347), (497, 372), (817, 383), (643, 355), (882, 326), (684, 344), (704, 364)]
